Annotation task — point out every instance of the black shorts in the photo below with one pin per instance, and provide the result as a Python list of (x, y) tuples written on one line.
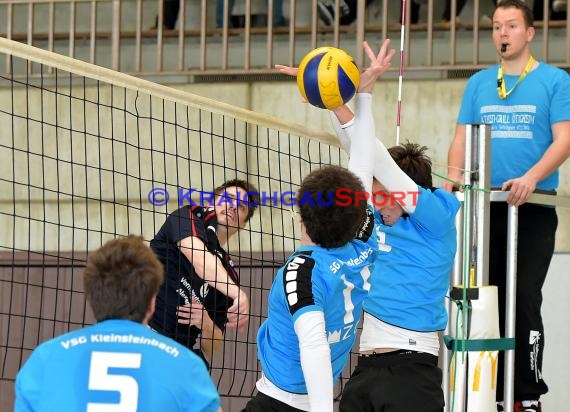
[(400, 381), (263, 403)]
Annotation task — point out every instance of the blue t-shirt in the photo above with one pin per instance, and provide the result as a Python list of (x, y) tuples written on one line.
[(412, 269), (114, 363), (522, 122), (333, 281)]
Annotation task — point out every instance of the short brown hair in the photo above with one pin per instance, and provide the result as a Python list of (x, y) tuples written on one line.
[(331, 224), (413, 160), (251, 190), (517, 4), (121, 278)]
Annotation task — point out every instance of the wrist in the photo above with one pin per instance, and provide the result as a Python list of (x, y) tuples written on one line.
[(343, 114), (207, 325), (530, 175), (454, 174), (234, 291)]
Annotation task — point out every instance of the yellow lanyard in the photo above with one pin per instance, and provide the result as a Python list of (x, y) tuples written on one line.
[(501, 88)]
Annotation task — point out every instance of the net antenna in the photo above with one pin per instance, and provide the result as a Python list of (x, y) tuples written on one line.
[(401, 71)]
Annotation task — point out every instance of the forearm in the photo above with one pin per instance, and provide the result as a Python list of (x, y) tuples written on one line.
[(340, 118), (369, 157), (215, 274), (207, 266), (456, 154), (362, 136)]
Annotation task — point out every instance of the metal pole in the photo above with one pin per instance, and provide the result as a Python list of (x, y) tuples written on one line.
[(455, 280), (510, 306), (116, 37), (482, 197)]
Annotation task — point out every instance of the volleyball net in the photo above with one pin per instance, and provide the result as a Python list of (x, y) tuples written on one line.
[(88, 154)]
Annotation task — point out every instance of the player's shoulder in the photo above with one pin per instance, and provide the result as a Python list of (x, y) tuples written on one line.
[(303, 259), (189, 211), (298, 278), (59, 342), (201, 212), (366, 229), (448, 199), (182, 213), (51, 348), (436, 204), (306, 265)]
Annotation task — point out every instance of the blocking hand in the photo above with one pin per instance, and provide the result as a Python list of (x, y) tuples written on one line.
[(379, 64)]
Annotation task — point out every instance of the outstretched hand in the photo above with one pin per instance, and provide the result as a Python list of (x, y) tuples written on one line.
[(379, 64), (288, 70)]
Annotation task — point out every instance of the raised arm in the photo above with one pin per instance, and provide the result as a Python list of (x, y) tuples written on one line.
[(362, 134), (357, 136), (367, 154)]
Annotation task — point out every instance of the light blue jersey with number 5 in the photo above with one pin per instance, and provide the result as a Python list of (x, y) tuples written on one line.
[(115, 365)]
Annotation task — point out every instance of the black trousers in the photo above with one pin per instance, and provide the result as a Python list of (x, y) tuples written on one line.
[(401, 381), (536, 233), (263, 403)]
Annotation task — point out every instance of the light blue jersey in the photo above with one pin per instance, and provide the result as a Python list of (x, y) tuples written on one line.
[(521, 123), (412, 269), (118, 365), (333, 281)]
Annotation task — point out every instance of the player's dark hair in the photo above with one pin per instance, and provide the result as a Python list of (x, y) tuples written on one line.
[(517, 4), (331, 220), (413, 160), (252, 194), (121, 278)]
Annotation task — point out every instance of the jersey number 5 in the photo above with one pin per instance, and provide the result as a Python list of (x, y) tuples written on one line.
[(101, 380)]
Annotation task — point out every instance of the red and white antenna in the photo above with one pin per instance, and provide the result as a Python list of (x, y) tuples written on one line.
[(401, 72)]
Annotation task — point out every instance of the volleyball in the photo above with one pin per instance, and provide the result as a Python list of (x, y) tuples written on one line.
[(328, 77)]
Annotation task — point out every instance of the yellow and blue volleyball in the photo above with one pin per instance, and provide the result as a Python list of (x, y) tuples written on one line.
[(328, 77)]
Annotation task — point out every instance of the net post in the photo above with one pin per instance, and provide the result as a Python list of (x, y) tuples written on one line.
[(510, 306), (471, 265), (481, 141)]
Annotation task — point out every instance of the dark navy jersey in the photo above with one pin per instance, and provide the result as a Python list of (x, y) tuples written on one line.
[(181, 282), (116, 365)]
